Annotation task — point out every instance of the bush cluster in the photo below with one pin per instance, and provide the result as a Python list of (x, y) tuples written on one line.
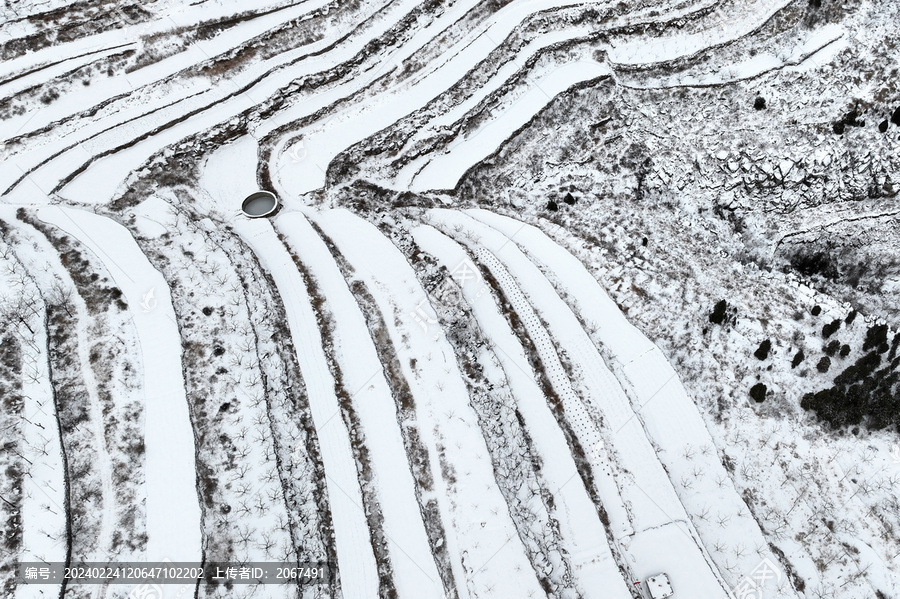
[(866, 392)]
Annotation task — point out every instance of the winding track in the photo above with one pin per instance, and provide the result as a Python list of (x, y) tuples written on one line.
[(659, 400), (408, 550), (356, 560), (173, 517), (42, 510), (333, 95)]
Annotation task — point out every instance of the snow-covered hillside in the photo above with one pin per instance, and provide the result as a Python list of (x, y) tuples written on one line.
[(560, 295)]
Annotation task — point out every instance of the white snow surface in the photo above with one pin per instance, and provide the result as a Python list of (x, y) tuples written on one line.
[(173, 513), (662, 496)]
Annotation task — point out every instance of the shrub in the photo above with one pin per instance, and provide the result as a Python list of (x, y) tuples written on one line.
[(831, 328), (798, 357), (816, 310), (851, 118), (850, 317), (861, 370), (876, 337), (552, 206), (862, 394), (809, 263), (762, 352), (759, 103), (717, 316), (758, 392)]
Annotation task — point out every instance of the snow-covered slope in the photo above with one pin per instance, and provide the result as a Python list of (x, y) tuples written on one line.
[(560, 295)]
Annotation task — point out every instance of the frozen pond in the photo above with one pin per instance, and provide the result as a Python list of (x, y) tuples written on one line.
[(261, 203)]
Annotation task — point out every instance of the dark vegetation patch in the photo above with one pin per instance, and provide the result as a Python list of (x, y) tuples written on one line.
[(758, 392), (876, 338), (832, 348), (717, 316), (850, 119), (814, 262), (762, 352), (98, 295), (867, 392), (723, 314), (831, 328), (851, 267)]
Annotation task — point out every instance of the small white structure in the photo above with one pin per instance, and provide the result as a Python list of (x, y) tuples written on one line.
[(659, 587)]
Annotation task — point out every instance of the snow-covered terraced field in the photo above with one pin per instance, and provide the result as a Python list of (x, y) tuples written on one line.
[(474, 353)]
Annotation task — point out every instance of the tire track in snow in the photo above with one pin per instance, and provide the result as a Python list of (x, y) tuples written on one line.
[(662, 405), (595, 569), (652, 497)]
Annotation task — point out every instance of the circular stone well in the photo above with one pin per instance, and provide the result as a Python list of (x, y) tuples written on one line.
[(260, 204)]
